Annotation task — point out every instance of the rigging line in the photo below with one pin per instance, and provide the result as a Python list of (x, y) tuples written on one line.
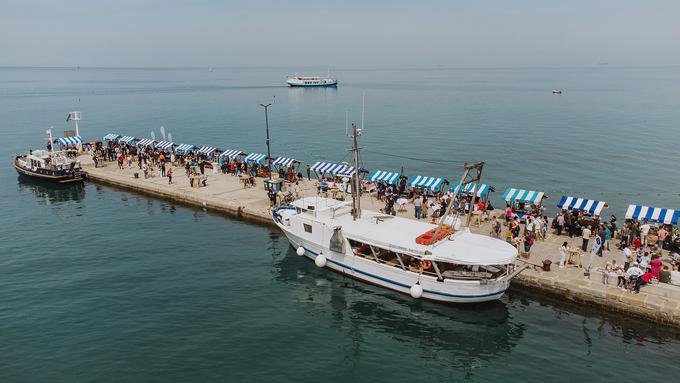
[(429, 160)]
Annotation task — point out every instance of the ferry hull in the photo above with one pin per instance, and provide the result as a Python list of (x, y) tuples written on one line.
[(449, 291), (302, 85)]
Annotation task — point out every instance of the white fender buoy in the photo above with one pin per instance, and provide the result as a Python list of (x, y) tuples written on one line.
[(417, 291), (300, 251), (320, 260)]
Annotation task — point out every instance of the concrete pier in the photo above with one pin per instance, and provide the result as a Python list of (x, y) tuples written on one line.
[(224, 193)]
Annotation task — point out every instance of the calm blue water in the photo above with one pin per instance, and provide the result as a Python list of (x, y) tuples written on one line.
[(98, 284)]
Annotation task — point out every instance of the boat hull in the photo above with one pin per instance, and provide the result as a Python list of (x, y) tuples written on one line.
[(302, 85), (49, 176), (396, 279)]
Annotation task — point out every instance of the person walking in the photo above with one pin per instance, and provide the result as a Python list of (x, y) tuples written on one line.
[(563, 254), (594, 251), (418, 203), (663, 233), (644, 231), (169, 175), (309, 173), (586, 238), (560, 223)]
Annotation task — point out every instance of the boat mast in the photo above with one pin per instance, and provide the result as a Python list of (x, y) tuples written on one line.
[(356, 187), (49, 132), (467, 178)]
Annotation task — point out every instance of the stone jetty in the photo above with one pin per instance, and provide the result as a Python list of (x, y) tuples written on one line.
[(659, 303)]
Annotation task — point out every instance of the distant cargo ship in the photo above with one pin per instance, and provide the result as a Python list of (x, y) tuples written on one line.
[(311, 81)]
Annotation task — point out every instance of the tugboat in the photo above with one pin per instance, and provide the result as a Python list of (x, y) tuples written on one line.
[(49, 165)]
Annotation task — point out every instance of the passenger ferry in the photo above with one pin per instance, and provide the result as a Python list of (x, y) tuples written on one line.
[(311, 81), (439, 262), (49, 165)]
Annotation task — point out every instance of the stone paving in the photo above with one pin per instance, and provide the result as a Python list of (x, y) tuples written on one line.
[(659, 302)]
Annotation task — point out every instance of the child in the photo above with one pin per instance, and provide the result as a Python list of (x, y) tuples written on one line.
[(169, 174)]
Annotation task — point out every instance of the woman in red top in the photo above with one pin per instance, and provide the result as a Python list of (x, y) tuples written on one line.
[(656, 266)]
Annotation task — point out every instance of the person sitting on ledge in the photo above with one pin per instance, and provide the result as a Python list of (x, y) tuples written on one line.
[(665, 275)]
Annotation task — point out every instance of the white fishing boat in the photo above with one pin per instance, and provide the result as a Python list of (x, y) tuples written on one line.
[(439, 262), (311, 81)]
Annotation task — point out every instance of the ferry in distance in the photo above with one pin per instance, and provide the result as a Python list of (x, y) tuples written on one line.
[(311, 81)]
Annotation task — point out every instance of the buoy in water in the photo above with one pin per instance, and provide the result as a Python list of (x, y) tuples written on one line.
[(320, 260), (417, 291), (300, 251)]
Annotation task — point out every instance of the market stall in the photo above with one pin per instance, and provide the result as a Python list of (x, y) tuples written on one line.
[(588, 206), (184, 148), (111, 137), (208, 152), (323, 168), (145, 142), (257, 158), (286, 168), (164, 145), (231, 154), (423, 182), (653, 214), (524, 202), (126, 140), (668, 217), (390, 178)]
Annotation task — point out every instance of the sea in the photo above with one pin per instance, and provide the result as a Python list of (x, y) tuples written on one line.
[(99, 284)]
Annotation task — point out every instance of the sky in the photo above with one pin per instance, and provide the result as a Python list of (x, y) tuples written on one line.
[(347, 33)]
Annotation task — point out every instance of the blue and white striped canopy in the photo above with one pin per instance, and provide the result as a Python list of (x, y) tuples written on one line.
[(126, 140), (164, 145), (530, 196), (284, 162), (144, 142), (183, 148), (111, 136), (255, 157), (581, 204), (231, 153), (70, 140), (468, 188), (653, 214), (382, 176), (432, 183), (338, 170), (206, 150)]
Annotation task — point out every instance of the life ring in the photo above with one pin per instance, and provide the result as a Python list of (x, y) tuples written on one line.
[(425, 264)]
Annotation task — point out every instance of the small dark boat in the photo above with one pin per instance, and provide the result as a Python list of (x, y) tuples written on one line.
[(49, 166)]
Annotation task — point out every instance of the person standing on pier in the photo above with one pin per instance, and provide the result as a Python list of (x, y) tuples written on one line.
[(586, 238), (170, 175), (595, 250), (309, 173), (563, 254), (560, 223)]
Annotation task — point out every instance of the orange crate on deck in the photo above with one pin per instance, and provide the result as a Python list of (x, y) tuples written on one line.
[(426, 238)]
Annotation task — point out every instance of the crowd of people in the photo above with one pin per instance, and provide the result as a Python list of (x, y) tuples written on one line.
[(153, 161)]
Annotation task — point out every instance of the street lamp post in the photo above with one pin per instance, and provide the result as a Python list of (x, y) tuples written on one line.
[(269, 154)]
